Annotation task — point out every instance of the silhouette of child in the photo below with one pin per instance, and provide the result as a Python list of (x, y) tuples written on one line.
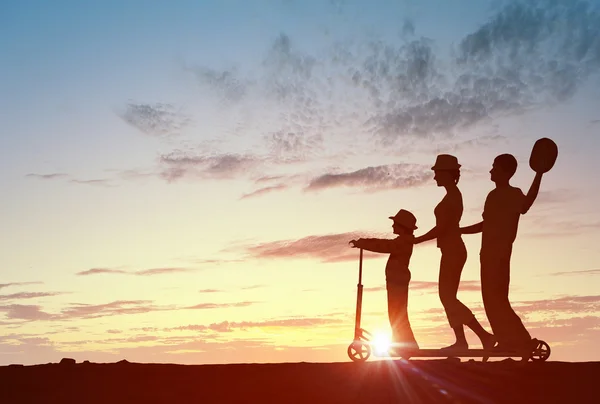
[(397, 274), (503, 207)]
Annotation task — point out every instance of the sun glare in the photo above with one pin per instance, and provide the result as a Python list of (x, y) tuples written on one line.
[(381, 342)]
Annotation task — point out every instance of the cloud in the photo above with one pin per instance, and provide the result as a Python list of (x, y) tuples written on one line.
[(115, 308), (432, 287), (6, 285), (570, 273), (203, 306), (114, 331), (465, 286), (555, 228), (96, 271), (541, 50), (25, 312), (326, 248), (556, 196), (28, 295), (253, 287), (222, 166), (142, 272), (51, 176), (527, 55), (154, 119), (97, 182), (294, 146), (209, 291), (264, 190), (135, 174), (384, 177), (225, 84), (566, 304), (226, 326), (160, 271), (81, 310)]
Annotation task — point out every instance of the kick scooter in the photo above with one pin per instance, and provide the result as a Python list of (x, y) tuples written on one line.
[(360, 349)]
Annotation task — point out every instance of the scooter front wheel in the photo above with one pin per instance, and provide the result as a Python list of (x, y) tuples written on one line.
[(359, 351)]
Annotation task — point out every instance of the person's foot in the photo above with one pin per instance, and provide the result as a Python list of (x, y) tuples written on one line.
[(488, 342), (457, 346)]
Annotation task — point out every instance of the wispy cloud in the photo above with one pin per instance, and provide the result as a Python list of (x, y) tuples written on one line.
[(375, 178), (251, 287), (264, 190), (158, 119), (142, 272), (51, 176), (160, 271), (326, 248), (12, 284), (225, 84), (557, 228), (56, 176), (222, 166), (115, 308), (81, 310), (226, 326), (203, 306), (293, 146), (97, 182), (96, 271), (465, 286), (432, 287), (566, 304), (28, 295), (210, 291), (25, 312), (571, 273), (522, 57)]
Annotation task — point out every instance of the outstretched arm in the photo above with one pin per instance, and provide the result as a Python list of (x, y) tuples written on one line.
[(430, 235), (474, 228), (378, 245), (533, 192)]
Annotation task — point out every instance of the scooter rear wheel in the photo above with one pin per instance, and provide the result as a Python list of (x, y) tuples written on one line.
[(359, 351), (541, 352)]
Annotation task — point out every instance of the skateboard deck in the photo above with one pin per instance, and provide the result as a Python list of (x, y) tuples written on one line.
[(447, 353)]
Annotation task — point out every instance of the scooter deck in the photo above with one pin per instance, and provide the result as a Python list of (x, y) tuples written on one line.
[(447, 353)]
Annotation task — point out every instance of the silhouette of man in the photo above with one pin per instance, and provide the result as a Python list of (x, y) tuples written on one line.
[(503, 207)]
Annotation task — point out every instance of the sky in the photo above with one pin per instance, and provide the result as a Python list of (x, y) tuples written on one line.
[(180, 180)]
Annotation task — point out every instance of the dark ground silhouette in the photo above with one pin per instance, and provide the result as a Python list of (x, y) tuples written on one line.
[(415, 381)]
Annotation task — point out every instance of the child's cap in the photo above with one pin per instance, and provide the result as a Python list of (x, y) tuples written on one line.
[(406, 219)]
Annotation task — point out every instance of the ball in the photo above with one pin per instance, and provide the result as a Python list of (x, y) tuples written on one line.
[(543, 155)]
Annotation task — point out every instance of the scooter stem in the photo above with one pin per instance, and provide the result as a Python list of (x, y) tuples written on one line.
[(357, 330)]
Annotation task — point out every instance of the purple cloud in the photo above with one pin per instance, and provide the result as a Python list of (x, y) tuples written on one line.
[(375, 178), (264, 190)]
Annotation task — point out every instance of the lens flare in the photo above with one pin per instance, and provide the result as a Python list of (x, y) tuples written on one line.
[(381, 343)]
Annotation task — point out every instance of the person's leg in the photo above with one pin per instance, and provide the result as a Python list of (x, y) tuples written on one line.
[(514, 335), (451, 265), (397, 294), (495, 280)]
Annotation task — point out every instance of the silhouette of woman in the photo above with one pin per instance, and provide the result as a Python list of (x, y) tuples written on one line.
[(454, 254)]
